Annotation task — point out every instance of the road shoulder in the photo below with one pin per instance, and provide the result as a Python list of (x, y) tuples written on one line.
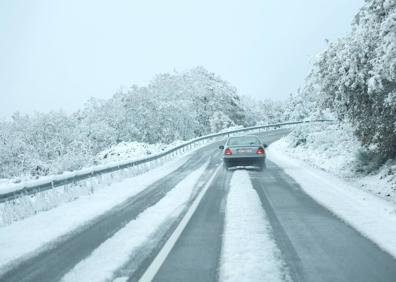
[(374, 218)]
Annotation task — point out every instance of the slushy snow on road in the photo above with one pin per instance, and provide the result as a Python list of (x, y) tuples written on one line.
[(249, 252), (372, 216)]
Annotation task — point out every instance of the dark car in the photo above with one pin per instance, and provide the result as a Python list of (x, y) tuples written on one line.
[(247, 150)]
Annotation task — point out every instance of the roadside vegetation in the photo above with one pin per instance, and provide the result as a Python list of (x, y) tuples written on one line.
[(134, 122), (355, 78)]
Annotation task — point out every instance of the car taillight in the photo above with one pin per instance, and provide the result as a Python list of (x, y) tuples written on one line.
[(227, 152), (260, 151)]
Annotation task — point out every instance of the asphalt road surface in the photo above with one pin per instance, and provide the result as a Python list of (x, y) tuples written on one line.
[(315, 245)]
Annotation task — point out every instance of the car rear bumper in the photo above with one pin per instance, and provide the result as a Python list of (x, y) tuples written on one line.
[(244, 161)]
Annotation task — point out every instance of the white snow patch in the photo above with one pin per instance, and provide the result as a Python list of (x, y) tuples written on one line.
[(133, 150), (370, 215), (249, 252), (27, 236), (330, 147), (116, 251)]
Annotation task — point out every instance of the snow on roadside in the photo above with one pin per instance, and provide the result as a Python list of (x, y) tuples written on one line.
[(116, 251), (249, 252), (132, 150), (334, 149), (27, 236), (373, 217)]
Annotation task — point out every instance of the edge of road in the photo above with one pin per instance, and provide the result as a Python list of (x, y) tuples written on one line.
[(372, 217)]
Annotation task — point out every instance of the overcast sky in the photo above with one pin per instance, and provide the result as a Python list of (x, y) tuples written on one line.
[(56, 54)]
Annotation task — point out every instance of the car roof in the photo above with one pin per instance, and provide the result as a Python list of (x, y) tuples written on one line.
[(240, 136)]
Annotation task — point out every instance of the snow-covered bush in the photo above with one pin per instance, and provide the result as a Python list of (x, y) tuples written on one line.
[(331, 147), (128, 150), (334, 147), (219, 121)]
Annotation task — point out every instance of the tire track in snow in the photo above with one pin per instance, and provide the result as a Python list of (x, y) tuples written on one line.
[(282, 239)]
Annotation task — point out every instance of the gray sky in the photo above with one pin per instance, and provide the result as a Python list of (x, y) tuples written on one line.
[(56, 54)]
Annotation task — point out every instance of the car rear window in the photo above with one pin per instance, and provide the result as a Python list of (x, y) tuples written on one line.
[(243, 141)]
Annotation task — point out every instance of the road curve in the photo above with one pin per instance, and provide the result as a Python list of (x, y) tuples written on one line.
[(315, 245)]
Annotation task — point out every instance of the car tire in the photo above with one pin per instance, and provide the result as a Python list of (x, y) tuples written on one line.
[(225, 166)]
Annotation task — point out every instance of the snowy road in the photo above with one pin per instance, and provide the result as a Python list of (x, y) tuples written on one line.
[(248, 224)]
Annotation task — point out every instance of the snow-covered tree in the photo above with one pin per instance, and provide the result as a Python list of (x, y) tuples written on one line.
[(356, 77), (176, 106)]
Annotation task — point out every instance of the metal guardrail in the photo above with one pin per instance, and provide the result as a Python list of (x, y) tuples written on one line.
[(32, 188)]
